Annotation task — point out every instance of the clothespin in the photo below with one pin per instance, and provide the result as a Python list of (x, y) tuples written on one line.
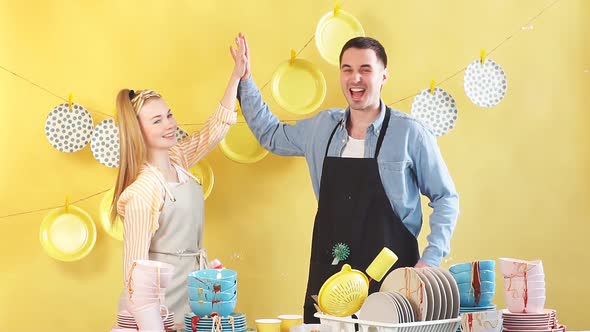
[(432, 87), (70, 101), (482, 56), (337, 8), (293, 55)]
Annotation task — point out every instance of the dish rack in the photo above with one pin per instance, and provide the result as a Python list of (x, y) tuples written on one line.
[(347, 324)]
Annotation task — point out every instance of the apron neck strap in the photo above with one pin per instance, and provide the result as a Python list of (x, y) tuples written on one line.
[(384, 126), (382, 131)]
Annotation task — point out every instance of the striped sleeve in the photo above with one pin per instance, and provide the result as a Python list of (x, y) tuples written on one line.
[(140, 207), (200, 143)]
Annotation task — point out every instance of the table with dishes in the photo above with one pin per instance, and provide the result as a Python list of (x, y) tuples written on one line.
[(409, 300)]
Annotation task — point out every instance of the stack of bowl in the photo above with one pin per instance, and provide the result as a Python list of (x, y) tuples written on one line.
[(212, 290), (524, 285), (477, 285)]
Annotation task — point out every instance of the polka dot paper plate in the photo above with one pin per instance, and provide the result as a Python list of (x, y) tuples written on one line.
[(333, 31), (438, 111), (68, 130), (485, 84), (180, 134), (105, 143), (298, 87)]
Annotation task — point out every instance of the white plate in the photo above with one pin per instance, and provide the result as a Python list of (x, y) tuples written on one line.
[(455, 291), (379, 307), (449, 293), (485, 84), (401, 312), (410, 317), (437, 293), (406, 281), (429, 294)]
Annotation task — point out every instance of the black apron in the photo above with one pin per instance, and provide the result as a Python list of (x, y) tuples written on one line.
[(353, 209)]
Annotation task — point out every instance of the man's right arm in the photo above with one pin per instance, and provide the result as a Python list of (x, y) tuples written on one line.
[(279, 138)]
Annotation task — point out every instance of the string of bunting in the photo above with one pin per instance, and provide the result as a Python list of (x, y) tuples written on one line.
[(432, 90)]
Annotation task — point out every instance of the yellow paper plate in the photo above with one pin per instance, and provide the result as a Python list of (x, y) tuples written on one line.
[(333, 32), (67, 235), (115, 229), (298, 87), (203, 171), (241, 145)]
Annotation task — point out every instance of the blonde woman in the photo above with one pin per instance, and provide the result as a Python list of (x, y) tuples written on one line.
[(160, 202)]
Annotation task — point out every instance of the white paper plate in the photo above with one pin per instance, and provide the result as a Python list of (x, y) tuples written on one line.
[(437, 111), (68, 130), (105, 143), (485, 84)]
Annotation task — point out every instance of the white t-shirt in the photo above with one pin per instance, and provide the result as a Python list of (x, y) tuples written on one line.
[(355, 148)]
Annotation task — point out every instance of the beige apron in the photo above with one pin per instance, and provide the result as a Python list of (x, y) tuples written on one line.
[(178, 241)]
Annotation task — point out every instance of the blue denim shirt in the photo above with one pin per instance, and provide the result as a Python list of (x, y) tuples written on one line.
[(409, 162)]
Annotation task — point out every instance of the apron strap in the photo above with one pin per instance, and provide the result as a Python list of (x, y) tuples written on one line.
[(384, 126), (189, 174), (162, 182), (332, 135)]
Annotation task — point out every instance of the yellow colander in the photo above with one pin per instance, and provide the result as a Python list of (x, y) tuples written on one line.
[(343, 293)]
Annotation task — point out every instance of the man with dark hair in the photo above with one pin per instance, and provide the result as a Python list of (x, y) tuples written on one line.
[(368, 165)]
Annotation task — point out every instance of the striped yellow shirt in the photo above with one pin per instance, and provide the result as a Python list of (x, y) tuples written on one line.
[(140, 203)]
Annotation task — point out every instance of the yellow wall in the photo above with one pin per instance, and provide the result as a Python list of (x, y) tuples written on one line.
[(522, 168)]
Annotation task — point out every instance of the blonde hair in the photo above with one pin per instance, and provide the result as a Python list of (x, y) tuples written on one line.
[(132, 148)]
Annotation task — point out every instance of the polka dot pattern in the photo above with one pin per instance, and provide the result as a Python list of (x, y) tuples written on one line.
[(105, 143), (68, 130), (180, 134), (485, 84), (437, 111)]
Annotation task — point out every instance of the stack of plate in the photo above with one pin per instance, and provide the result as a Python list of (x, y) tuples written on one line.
[(545, 321), (126, 320), (432, 292), (235, 322), (387, 307)]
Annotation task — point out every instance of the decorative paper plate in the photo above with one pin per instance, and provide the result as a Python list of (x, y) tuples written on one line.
[(333, 31), (438, 111), (203, 171), (105, 143), (406, 281), (298, 86), (68, 130), (180, 134), (67, 233), (485, 84), (241, 145), (115, 229)]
